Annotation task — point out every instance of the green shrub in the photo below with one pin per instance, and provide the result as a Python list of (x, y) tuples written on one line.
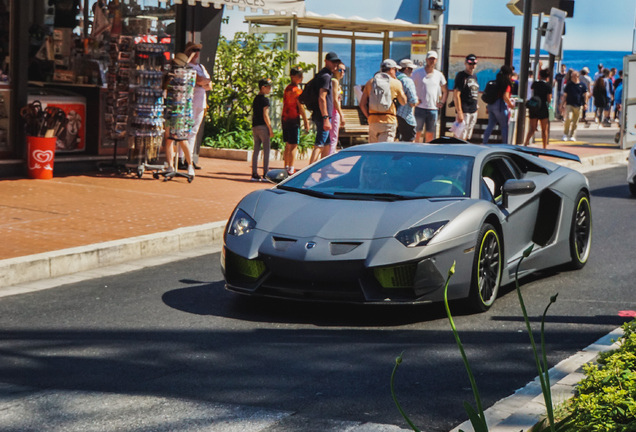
[(606, 399), (243, 140)]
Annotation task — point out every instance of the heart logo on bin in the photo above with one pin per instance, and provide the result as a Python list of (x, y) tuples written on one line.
[(43, 156)]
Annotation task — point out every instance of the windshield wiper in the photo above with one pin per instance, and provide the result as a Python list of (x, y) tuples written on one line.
[(374, 196), (309, 192)]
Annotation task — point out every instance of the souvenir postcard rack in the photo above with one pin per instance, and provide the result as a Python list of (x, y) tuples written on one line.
[(145, 131), (179, 114)]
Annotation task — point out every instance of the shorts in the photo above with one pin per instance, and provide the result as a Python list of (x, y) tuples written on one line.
[(291, 131), (425, 117), (322, 136), (405, 131)]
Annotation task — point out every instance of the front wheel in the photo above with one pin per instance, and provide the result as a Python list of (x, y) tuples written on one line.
[(486, 273), (581, 231)]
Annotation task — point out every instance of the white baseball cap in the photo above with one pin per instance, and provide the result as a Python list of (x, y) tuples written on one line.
[(407, 63), (389, 64), (431, 54)]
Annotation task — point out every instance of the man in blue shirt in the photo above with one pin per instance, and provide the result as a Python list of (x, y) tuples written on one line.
[(405, 117)]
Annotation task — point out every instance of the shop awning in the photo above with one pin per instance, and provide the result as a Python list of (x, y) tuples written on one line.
[(339, 23), (285, 7)]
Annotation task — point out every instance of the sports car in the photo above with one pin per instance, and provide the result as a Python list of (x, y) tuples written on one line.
[(383, 223)]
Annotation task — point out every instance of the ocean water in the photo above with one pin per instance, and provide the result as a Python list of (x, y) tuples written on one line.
[(369, 57)]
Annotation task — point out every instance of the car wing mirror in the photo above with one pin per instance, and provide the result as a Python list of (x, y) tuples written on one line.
[(517, 187), (276, 175)]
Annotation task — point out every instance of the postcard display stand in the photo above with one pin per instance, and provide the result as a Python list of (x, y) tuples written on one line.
[(179, 116), (145, 130), (118, 83)]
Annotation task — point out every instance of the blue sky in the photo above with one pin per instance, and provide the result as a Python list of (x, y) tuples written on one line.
[(596, 25)]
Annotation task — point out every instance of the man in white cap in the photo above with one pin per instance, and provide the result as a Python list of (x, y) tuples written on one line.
[(377, 102), (432, 93), (406, 119)]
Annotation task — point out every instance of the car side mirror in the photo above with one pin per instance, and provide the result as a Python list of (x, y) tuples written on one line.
[(276, 175), (517, 187)]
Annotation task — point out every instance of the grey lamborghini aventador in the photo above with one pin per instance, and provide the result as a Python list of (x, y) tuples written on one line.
[(383, 223)]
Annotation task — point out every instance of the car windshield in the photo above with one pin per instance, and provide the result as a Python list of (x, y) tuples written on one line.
[(389, 176)]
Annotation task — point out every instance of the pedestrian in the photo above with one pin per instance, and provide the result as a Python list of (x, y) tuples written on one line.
[(337, 119), (199, 100), (558, 82), (609, 90), (321, 113), (587, 80), (290, 118), (617, 100), (261, 128), (600, 99), (465, 97), (377, 103), (432, 93), (498, 111), (575, 96), (530, 82), (543, 91), (599, 72), (515, 83), (406, 119)]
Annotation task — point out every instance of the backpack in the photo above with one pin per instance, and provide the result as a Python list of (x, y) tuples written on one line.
[(491, 92), (380, 99), (309, 96), (534, 105)]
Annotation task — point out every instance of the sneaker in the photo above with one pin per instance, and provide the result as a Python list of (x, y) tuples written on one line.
[(255, 178), (565, 138), (191, 170), (196, 167), (572, 138), (291, 170), (168, 169)]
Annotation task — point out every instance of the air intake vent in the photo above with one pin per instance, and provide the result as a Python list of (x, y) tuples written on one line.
[(282, 243), (341, 248)]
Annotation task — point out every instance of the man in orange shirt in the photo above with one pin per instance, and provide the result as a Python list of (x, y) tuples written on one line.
[(376, 105), (290, 122)]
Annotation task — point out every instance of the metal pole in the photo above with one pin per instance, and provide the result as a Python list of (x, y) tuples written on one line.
[(523, 73), (537, 48)]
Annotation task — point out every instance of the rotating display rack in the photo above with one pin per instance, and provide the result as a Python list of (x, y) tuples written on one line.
[(145, 129), (179, 113), (118, 83)]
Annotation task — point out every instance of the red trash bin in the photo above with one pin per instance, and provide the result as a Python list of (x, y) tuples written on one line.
[(41, 157)]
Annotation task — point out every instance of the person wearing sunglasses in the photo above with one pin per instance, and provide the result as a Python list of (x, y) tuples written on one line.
[(337, 119), (465, 97)]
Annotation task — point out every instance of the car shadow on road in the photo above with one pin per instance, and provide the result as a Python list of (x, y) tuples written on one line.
[(212, 299), (616, 191)]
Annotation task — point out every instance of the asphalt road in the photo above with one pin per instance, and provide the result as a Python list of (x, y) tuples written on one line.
[(167, 348)]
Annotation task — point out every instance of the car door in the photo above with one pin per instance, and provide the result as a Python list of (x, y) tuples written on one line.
[(520, 212)]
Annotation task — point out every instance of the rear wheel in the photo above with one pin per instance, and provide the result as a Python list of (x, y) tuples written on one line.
[(486, 273), (581, 231), (632, 188)]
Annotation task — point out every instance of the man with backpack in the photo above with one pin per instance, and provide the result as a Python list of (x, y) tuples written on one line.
[(318, 99), (465, 97), (378, 102)]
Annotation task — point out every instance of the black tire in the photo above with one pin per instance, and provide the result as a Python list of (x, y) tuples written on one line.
[(581, 231), (486, 273), (632, 188)]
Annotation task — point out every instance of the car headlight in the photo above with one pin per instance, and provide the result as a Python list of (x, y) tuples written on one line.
[(419, 235), (241, 223)]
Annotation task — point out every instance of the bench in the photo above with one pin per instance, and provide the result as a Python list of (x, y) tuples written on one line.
[(356, 126)]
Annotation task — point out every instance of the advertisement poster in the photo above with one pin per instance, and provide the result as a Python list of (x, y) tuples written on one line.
[(419, 47), (69, 127)]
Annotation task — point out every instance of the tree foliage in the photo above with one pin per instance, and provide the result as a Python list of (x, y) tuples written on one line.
[(239, 64)]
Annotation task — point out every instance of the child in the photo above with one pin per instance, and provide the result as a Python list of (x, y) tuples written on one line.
[(261, 127), (292, 112)]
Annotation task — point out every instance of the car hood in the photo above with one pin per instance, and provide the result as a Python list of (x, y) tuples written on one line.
[(297, 215)]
